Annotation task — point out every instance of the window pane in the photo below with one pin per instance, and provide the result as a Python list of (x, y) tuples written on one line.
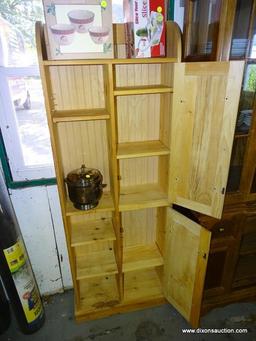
[(241, 29), (27, 98), (236, 164), (204, 28), (17, 31)]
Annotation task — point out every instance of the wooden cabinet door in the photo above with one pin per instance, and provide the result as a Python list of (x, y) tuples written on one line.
[(185, 260), (205, 103)]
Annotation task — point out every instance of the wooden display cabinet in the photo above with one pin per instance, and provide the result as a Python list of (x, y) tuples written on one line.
[(154, 128), (230, 275)]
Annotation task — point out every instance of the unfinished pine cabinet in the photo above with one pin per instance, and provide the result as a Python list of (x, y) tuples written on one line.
[(160, 131)]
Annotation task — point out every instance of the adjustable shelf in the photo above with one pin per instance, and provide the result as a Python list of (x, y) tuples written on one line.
[(142, 196), (142, 90), (141, 257), (92, 231), (79, 115), (139, 149), (105, 204), (95, 264)]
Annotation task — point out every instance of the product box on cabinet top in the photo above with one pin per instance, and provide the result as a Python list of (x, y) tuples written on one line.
[(145, 28), (79, 29)]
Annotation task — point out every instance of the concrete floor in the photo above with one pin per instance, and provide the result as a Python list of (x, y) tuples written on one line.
[(161, 323)]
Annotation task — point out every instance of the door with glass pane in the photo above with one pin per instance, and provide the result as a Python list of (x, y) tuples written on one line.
[(201, 29), (242, 174)]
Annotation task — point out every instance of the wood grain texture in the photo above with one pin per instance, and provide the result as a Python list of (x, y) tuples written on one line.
[(202, 132), (141, 149), (80, 115), (95, 264), (78, 146), (139, 227), (138, 118), (98, 294), (141, 286), (141, 257), (92, 232), (185, 261), (77, 87), (142, 90), (142, 196)]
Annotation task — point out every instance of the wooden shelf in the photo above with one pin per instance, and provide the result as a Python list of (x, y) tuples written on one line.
[(91, 232), (141, 257), (142, 196), (98, 293), (142, 90), (95, 264), (80, 115), (105, 204), (142, 285), (140, 149), (109, 61)]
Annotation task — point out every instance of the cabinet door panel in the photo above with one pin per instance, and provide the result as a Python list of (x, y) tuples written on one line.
[(205, 103), (185, 260)]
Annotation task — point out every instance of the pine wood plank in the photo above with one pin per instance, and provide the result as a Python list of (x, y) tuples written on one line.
[(142, 90), (105, 204), (95, 264), (142, 196), (141, 257), (79, 115), (187, 247), (140, 149), (92, 231), (109, 61), (142, 285), (98, 294), (204, 110)]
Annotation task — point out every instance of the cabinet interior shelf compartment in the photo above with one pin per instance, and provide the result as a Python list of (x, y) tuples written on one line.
[(142, 196), (80, 115), (95, 264), (92, 231), (142, 285), (140, 149), (141, 257)]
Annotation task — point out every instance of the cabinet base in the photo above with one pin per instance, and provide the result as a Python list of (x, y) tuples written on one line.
[(124, 307)]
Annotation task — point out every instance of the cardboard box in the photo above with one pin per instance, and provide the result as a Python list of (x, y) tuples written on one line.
[(145, 28), (79, 29)]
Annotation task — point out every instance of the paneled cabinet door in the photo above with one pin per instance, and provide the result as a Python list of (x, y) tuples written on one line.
[(205, 103), (185, 261)]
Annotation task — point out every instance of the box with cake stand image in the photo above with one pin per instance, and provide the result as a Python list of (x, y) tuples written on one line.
[(79, 29)]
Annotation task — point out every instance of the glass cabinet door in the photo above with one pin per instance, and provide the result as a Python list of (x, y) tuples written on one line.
[(243, 46), (202, 20), (243, 128), (241, 29)]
